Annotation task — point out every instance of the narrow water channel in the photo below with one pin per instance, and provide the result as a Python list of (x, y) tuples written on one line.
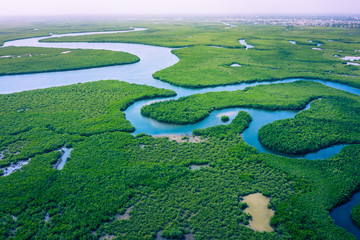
[(342, 215), (154, 59), (65, 155)]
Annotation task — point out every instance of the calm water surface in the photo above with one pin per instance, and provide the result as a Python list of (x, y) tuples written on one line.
[(342, 215), (154, 59), (243, 42)]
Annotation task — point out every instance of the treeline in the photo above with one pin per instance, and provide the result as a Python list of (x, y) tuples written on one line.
[(329, 121), (19, 60)]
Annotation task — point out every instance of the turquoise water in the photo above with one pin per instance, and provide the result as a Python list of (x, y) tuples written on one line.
[(64, 157), (154, 59)]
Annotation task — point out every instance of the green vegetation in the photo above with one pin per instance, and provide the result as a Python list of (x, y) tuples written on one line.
[(331, 181), (99, 182), (239, 124), (295, 95), (204, 66), (225, 118), (179, 34), (173, 231), (273, 57), (18, 60), (355, 215), (12, 29), (110, 170), (40, 121), (330, 121)]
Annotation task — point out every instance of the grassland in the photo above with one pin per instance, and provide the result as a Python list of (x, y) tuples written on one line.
[(19, 60), (201, 64)]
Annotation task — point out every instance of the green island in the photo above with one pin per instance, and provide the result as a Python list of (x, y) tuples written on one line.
[(331, 120), (241, 121), (210, 49), (118, 185), (19, 60), (225, 118)]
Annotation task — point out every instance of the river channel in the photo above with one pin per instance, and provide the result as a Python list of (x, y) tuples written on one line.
[(152, 59)]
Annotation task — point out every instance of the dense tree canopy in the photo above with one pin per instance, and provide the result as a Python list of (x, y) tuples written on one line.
[(112, 173), (18, 60)]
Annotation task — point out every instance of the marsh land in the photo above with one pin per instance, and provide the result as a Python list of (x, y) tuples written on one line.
[(164, 153)]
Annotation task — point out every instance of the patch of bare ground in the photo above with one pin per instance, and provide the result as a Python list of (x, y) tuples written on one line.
[(198, 167), (124, 216), (181, 139), (107, 237)]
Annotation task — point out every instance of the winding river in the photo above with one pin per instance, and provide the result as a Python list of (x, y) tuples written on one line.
[(153, 59)]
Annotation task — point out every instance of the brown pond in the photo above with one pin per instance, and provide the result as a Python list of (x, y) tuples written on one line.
[(261, 214)]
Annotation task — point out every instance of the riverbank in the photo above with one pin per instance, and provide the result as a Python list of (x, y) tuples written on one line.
[(99, 181)]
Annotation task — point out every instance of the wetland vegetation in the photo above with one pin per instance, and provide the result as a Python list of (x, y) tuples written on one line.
[(333, 119), (40, 121), (140, 187), (152, 175), (18, 29), (202, 65), (19, 60), (355, 215), (329, 121)]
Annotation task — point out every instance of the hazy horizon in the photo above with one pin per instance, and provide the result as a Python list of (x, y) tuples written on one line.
[(178, 8)]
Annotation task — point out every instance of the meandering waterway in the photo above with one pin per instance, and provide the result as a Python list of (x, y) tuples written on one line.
[(153, 59)]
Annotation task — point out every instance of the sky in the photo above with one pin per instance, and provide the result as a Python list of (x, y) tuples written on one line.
[(178, 7)]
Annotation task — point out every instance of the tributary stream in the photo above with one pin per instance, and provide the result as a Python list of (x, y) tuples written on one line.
[(153, 59)]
